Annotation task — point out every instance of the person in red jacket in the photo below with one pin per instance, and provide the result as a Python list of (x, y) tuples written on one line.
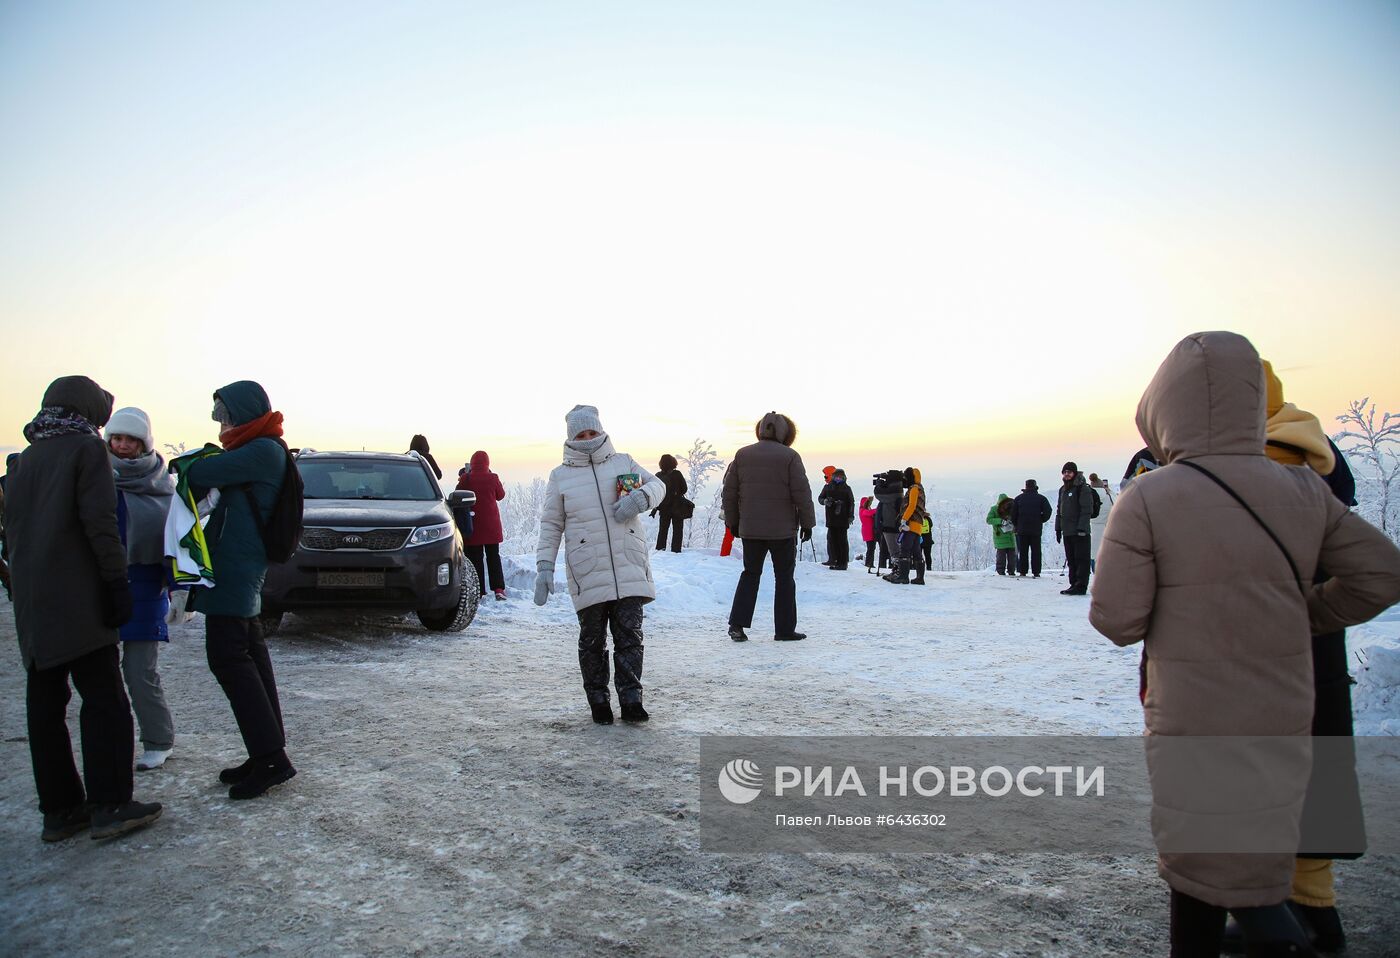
[(485, 541), (867, 532)]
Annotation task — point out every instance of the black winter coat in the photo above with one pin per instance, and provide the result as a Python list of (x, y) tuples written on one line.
[(890, 495), (61, 526), (1076, 507), (840, 504), (676, 488), (1029, 513)]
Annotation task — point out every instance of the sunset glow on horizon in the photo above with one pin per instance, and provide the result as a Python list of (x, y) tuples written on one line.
[(959, 236)]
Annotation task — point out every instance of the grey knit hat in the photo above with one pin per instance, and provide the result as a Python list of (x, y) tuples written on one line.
[(131, 422), (581, 418)]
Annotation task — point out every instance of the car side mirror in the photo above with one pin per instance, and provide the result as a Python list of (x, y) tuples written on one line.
[(461, 499)]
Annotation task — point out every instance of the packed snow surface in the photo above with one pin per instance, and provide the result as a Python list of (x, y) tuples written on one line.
[(454, 798)]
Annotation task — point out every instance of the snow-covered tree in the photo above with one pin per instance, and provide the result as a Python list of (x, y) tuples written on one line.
[(1376, 446), (699, 462), (520, 516)]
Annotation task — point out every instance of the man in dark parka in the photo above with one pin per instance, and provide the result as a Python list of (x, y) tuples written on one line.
[(1076, 509), (768, 504), (1029, 513), (71, 596), (840, 505)]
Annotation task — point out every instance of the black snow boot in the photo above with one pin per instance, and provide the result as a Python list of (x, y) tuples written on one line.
[(900, 575), (109, 821), (791, 637), (1322, 924), (67, 823), (267, 771), (236, 774), (737, 634), (1276, 931), (602, 712), (633, 712)]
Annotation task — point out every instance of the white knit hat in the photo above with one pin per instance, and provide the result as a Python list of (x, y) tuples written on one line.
[(580, 418), (130, 421)]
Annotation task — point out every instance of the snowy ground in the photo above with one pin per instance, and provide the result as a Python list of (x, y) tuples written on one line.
[(454, 797)]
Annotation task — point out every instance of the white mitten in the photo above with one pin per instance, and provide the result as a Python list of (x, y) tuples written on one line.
[(544, 582), (630, 505)]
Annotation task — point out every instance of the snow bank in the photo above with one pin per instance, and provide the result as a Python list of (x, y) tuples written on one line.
[(1375, 660)]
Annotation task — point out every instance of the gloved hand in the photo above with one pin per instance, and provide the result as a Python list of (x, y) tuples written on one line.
[(179, 598), (544, 582), (1058, 535), (116, 603), (629, 506), (805, 535)]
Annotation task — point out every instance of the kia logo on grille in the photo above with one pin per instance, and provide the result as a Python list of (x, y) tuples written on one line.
[(352, 540)]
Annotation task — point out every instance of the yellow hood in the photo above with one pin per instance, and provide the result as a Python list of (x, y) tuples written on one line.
[(1296, 428)]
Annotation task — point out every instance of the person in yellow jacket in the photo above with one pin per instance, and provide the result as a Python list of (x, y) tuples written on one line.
[(913, 519), (1294, 437)]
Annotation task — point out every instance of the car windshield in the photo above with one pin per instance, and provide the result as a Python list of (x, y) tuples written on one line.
[(365, 479)]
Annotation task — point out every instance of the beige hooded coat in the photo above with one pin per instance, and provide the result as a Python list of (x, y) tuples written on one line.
[(1186, 570)]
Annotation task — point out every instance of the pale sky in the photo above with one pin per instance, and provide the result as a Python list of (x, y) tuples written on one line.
[(960, 236)]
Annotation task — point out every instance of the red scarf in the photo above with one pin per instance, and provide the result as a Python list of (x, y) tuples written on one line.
[(269, 426)]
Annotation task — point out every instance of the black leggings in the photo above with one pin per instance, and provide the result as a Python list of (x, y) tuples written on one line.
[(492, 554)]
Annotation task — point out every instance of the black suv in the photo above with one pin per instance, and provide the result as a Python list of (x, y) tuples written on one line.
[(377, 534)]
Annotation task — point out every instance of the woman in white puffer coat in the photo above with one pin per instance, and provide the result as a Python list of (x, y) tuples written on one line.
[(592, 505)]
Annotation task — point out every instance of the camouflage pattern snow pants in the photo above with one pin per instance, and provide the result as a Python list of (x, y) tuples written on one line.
[(624, 618)]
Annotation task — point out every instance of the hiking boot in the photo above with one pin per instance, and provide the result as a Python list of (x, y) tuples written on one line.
[(152, 758), (109, 821), (266, 772), (633, 712), (500, 594), (737, 634), (898, 574), (67, 823), (237, 773), (790, 637), (602, 712)]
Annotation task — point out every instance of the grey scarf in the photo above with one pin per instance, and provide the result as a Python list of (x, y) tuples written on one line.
[(148, 490), (586, 450)]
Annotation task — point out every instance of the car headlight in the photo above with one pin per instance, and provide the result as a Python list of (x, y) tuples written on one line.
[(426, 534)]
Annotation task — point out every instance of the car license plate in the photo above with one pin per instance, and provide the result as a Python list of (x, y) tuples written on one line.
[(350, 580)]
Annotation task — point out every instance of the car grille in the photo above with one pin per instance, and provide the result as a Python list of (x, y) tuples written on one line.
[(322, 539)]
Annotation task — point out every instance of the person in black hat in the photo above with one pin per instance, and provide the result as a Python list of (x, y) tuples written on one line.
[(1029, 513), (1072, 517)]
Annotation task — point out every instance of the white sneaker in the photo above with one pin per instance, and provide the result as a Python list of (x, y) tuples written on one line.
[(152, 758)]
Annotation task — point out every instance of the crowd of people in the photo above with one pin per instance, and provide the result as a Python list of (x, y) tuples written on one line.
[(1207, 505), (86, 538)]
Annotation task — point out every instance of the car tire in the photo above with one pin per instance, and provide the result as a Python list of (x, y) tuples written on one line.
[(271, 622), (459, 616)]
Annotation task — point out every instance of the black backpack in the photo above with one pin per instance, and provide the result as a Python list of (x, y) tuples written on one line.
[(281, 533), (1098, 503)]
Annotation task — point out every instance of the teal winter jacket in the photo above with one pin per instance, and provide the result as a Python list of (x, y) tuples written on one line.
[(237, 554)]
